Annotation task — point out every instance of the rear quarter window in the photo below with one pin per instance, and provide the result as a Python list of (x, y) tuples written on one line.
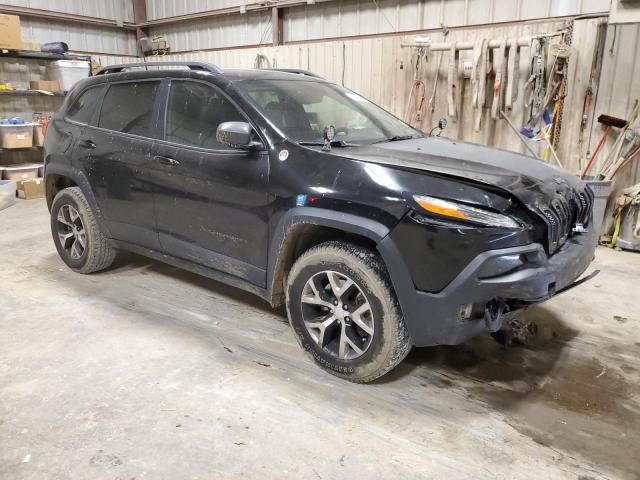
[(82, 109), (128, 108)]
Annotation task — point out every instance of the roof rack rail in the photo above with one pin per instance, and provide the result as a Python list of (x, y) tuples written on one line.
[(202, 66), (297, 71)]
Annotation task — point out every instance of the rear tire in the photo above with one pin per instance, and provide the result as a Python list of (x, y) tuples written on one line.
[(345, 313), (76, 233)]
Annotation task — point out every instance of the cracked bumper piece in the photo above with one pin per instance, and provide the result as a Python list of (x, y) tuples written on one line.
[(512, 277)]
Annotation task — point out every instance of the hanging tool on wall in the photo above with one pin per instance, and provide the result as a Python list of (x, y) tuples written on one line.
[(415, 112), (513, 74), (453, 80), (500, 69), (479, 80), (591, 91), (586, 112), (538, 91), (546, 95), (432, 98), (537, 79), (261, 61), (459, 86), (561, 53)]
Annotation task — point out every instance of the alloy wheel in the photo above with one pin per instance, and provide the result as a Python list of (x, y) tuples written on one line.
[(71, 232), (337, 314)]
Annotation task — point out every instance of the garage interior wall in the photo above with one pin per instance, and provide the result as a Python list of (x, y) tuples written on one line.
[(84, 38), (358, 44)]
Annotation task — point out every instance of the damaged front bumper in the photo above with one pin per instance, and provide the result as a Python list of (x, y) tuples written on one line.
[(483, 296)]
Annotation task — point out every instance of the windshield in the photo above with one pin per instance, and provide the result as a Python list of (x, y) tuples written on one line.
[(301, 109)]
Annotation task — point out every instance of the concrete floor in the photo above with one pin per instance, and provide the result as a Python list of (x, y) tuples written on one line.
[(146, 371)]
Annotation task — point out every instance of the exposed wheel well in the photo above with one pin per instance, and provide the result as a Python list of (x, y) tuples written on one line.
[(300, 238), (55, 183)]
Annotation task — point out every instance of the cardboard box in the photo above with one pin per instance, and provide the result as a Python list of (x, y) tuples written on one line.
[(10, 36), (48, 85), (20, 171), (30, 189), (31, 45)]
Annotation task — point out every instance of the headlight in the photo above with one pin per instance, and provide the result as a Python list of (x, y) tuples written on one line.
[(459, 211)]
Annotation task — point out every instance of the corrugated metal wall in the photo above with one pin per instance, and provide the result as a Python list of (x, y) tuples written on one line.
[(353, 17), (80, 38), (111, 9), (218, 32), (170, 8), (332, 19), (619, 90), (619, 85)]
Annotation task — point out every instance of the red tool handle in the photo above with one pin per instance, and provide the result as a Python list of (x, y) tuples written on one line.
[(595, 152)]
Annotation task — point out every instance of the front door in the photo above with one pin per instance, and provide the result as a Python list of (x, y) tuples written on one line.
[(116, 155), (211, 201)]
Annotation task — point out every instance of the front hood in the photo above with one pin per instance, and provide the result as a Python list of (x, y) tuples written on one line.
[(530, 180)]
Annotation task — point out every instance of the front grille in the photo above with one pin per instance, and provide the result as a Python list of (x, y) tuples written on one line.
[(565, 211)]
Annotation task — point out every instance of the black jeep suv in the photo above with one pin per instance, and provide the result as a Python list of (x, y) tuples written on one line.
[(376, 236)]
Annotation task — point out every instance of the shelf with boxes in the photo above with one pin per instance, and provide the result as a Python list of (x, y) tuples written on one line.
[(23, 178), (33, 84)]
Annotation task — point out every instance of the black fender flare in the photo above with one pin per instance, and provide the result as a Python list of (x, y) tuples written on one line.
[(80, 179), (375, 231), (347, 222)]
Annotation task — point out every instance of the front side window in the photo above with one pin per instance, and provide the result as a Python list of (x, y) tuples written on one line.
[(128, 108), (83, 108), (194, 112), (301, 109)]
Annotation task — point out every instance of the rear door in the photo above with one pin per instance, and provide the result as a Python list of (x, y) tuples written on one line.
[(211, 201), (116, 152), (63, 133)]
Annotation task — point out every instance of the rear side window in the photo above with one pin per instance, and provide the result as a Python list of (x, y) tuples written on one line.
[(194, 112), (128, 108), (83, 108)]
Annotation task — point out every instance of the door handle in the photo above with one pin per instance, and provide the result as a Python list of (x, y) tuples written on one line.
[(170, 161), (88, 144)]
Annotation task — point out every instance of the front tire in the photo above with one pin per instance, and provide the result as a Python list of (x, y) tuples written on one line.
[(76, 233), (343, 309)]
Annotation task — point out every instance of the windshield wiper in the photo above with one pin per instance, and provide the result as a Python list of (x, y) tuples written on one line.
[(334, 143), (396, 138)]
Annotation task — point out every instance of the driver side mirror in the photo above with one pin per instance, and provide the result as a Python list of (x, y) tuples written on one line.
[(237, 135), (442, 124)]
